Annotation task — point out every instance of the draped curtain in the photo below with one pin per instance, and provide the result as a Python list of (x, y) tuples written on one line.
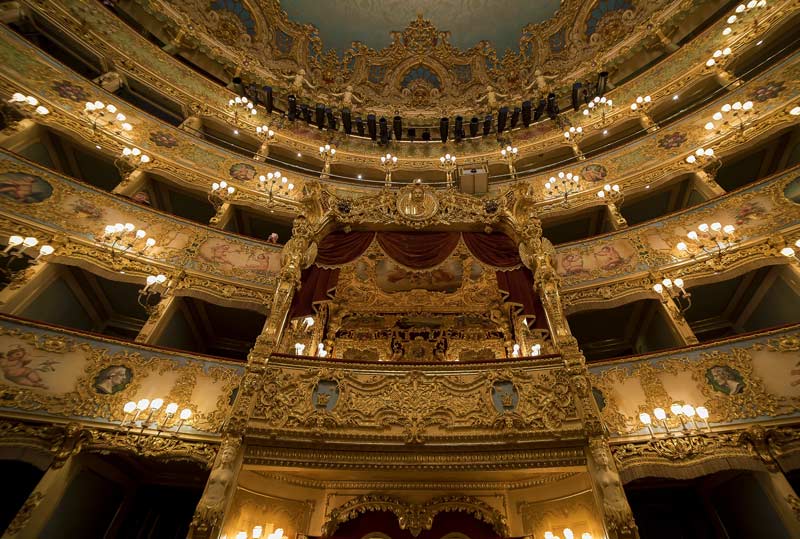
[(417, 250)]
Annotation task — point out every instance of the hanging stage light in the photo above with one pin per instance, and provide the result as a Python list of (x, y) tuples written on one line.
[(347, 122), (576, 94), (269, 103), (459, 129), (552, 106), (515, 117), (602, 83), (539, 110), (473, 127), (360, 126), (319, 115), (487, 124), (502, 118), (330, 119), (397, 127), (305, 110), (383, 130), (444, 129), (412, 134), (292, 107), (527, 110), (372, 126)]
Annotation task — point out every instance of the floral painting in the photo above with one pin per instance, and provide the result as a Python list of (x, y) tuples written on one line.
[(67, 90), (672, 141), (24, 188), (768, 91), (163, 139)]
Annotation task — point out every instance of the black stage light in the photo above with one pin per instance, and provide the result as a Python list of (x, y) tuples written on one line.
[(235, 85), (347, 122), (252, 93), (502, 118), (412, 134), (268, 100), (539, 110), (459, 128), (305, 110), (426, 135), (372, 126), (292, 107), (576, 94), (515, 117), (319, 115), (552, 106), (473, 127), (383, 130), (487, 124), (444, 128), (602, 83), (527, 108), (330, 119), (397, 127), (360, 126)]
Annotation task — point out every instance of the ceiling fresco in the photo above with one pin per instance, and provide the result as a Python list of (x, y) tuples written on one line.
[(340, 22)]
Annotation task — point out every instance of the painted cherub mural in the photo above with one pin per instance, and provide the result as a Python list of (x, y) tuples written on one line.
[(15, 365)]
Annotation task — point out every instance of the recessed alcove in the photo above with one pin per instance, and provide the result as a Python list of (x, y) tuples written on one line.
[(258, 225), (147, 99), (577, 226), (760, 299), (759, 160), (675, 195), (195, 325), (634, 328), (168, 196), (74, 298)]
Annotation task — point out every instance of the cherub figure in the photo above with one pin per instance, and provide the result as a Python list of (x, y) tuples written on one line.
[(348, 97), (299, 82), (491, 98), (541, 82), (15, 367)]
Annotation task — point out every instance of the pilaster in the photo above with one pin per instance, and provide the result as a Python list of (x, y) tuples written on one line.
[(223, 216), (678, 324), (22, 289), (706, 185), (110, 81), (609, 495), (615, 217), (157, 321), (131, 183)]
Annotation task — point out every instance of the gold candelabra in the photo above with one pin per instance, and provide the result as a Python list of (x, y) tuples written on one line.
[(685, 413), (220, 193), (448, 163), (17, 249), (713, 239), (106, 116), (126, 238), (573, 135), (674, 289), (389, 165), (327, 154), (509, 153), (563, 184)]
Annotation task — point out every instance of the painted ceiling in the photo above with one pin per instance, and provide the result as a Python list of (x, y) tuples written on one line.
[(340, 22)]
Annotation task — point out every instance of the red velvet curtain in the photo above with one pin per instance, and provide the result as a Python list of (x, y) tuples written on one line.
[(418, 250)]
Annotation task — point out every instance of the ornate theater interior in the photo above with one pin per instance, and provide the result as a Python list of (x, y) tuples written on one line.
[(400, 269)]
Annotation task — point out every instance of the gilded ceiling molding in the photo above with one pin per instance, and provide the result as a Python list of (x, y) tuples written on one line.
[(415, 517), (690, 55)]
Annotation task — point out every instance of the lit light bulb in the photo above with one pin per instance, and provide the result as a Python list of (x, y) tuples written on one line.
[(46, 250), (787, 252), (30, 241), (185, 414), (13, 241), (645, 418), (129, 407), (728, 229), (676, 409), (709, 126), (682, 246), (156, 404), (702, 412), (692, 235), (172, 408), (660, 414), (142, 404), (658, 287), (678, 282), (703, 227), (688, 410)]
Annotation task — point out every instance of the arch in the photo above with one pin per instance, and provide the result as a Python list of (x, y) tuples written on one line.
[(416, 517)]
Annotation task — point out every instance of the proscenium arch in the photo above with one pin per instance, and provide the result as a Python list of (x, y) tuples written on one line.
[(415, 517)]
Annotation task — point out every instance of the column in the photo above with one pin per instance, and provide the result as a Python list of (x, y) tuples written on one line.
[(158, 319), (37, 510), (223, 216), (706, 185), (218, 494), (22, 290), (608, 492), (193, 124), (131, 183), (647, 122), (783, 498), (615, 217), (110, 82), (680, 327)]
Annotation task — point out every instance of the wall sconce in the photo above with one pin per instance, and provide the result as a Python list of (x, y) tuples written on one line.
[(299, 348), (509, 153), (321, 352), (641, 103), (100, 114), (277, 184), (563, 184), (156, 286), (680, 411), (16, 249), (573, 135), (21, 100), (220, 193), (240, 104), (599, 103), (674, 289), (790, 252), (154, 416), (536, 350), (326, 153), (738, 111), (130, 159), (740, 10), (713, 239), (124, 237), (448, 164), (611, 193), (389, 164)]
